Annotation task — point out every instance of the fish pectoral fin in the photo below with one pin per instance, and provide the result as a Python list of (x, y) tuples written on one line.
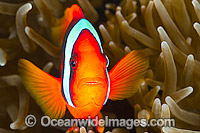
[(127, 75), (44, 88)]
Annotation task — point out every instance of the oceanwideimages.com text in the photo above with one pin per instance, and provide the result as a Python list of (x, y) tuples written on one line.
[(46, 121)]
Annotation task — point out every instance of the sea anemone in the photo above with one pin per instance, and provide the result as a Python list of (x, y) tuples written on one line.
[(162, 30)]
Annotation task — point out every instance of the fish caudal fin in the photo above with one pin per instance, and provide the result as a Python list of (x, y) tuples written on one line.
[(44, 88), (127, 75), (72, 13)]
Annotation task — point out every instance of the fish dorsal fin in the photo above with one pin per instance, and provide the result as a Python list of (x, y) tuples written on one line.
[(71, 14), (77, 12), (127, 75), (44, 88)]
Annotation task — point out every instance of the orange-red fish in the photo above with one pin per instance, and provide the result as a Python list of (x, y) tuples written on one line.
[(85, 83)]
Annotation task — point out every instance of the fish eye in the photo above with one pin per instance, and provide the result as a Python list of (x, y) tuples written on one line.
[(73, 63)]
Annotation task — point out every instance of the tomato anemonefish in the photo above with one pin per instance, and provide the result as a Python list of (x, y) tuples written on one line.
[(85, 84)]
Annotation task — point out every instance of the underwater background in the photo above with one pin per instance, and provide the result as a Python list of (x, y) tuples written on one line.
[(168, 31)]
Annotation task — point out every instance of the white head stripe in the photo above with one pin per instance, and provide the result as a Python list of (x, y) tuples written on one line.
[(108, 92)]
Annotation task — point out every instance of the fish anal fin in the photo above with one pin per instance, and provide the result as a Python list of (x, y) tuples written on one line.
[(127, 75), (44, 88)]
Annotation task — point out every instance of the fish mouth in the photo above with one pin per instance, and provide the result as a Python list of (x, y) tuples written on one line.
[(91, 82)]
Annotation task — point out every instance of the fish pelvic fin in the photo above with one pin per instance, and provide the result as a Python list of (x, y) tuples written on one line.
[(44, 88), (99, 128), (127, 75), (58, 31)]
